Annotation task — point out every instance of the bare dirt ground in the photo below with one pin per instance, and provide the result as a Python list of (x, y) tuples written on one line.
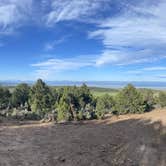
[(132, 140)]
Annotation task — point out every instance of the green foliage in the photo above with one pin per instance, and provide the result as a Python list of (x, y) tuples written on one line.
[(63, 110), (129, 100), (80, 115), (41, 98), (75, 100), (4, 98), (74, 103), (162, 99), (149, 100), (85, 96), (23, 115), (104, 105), (20, 95)]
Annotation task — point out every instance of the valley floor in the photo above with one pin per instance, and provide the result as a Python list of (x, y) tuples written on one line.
[(129, 140)]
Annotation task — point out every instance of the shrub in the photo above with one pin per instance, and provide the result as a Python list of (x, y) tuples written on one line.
[(24, 115), (20, 95), (162, 99), (16, 114), (104, 105), (49, 117), (32, 116), (4, 98), (149, 100), (63, 110), (80, 115), (129, 100)]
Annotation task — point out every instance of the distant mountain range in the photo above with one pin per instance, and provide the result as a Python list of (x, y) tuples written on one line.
[(104, 84)]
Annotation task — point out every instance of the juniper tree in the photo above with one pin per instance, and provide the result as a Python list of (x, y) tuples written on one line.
[(41, 98), (129, 100), (20, 95)]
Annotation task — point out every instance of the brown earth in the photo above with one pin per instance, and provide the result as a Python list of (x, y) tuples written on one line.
[(132, 140)]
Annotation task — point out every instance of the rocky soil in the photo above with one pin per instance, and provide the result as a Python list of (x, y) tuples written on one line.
[(132, 140)]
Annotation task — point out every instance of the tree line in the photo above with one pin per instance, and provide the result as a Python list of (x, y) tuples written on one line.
[(74, 103)]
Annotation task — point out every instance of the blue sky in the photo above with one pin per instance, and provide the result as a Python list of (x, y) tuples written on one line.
[(114, 40)]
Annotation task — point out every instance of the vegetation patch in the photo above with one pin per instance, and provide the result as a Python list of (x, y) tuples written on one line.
[(71, 103)]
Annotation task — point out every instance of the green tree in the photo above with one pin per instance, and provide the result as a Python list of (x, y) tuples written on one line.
[(84, 95), (63, 110), (4, 98), (41, 98), (148, 97), (129, 100), (20, 95), (104, 105)]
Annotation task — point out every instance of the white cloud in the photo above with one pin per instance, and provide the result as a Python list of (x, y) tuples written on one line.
[(51, 45), (155, 68), (12, 14), (73, 10), (146, 70), (136, 36), (51, 66), (109, 56), (124, 57)]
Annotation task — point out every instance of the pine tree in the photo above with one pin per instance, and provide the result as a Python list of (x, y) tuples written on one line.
[(41, 98)]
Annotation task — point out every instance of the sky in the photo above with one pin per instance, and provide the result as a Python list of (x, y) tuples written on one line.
[(83, 40)]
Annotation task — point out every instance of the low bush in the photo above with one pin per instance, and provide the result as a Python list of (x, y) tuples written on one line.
[(162, 99), (129, 100), (105, 104), (23, 115)]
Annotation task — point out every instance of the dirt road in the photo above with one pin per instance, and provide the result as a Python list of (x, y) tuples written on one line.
[(132, 140)]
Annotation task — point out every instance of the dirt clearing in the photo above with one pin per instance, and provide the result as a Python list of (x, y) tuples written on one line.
[(132, 140)]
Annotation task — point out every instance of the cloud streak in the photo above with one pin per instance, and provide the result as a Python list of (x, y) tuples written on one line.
[(65, 10), (12, 14), (51, 45), (136, 36), (49, 67), (155, 68), (133, 34)]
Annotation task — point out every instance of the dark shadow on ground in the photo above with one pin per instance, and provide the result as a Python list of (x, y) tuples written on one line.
[(131, 142)]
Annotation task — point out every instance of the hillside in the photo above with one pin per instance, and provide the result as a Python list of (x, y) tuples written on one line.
[(128, 140)]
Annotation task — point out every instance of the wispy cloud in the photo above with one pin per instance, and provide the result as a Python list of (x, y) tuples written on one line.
[(51, 45), (147, 70), (136, 36), (62, 10), (51, 66), (12, 14), (155, 68)]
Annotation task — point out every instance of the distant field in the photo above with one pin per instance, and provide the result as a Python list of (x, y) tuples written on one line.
[(97, 91)]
